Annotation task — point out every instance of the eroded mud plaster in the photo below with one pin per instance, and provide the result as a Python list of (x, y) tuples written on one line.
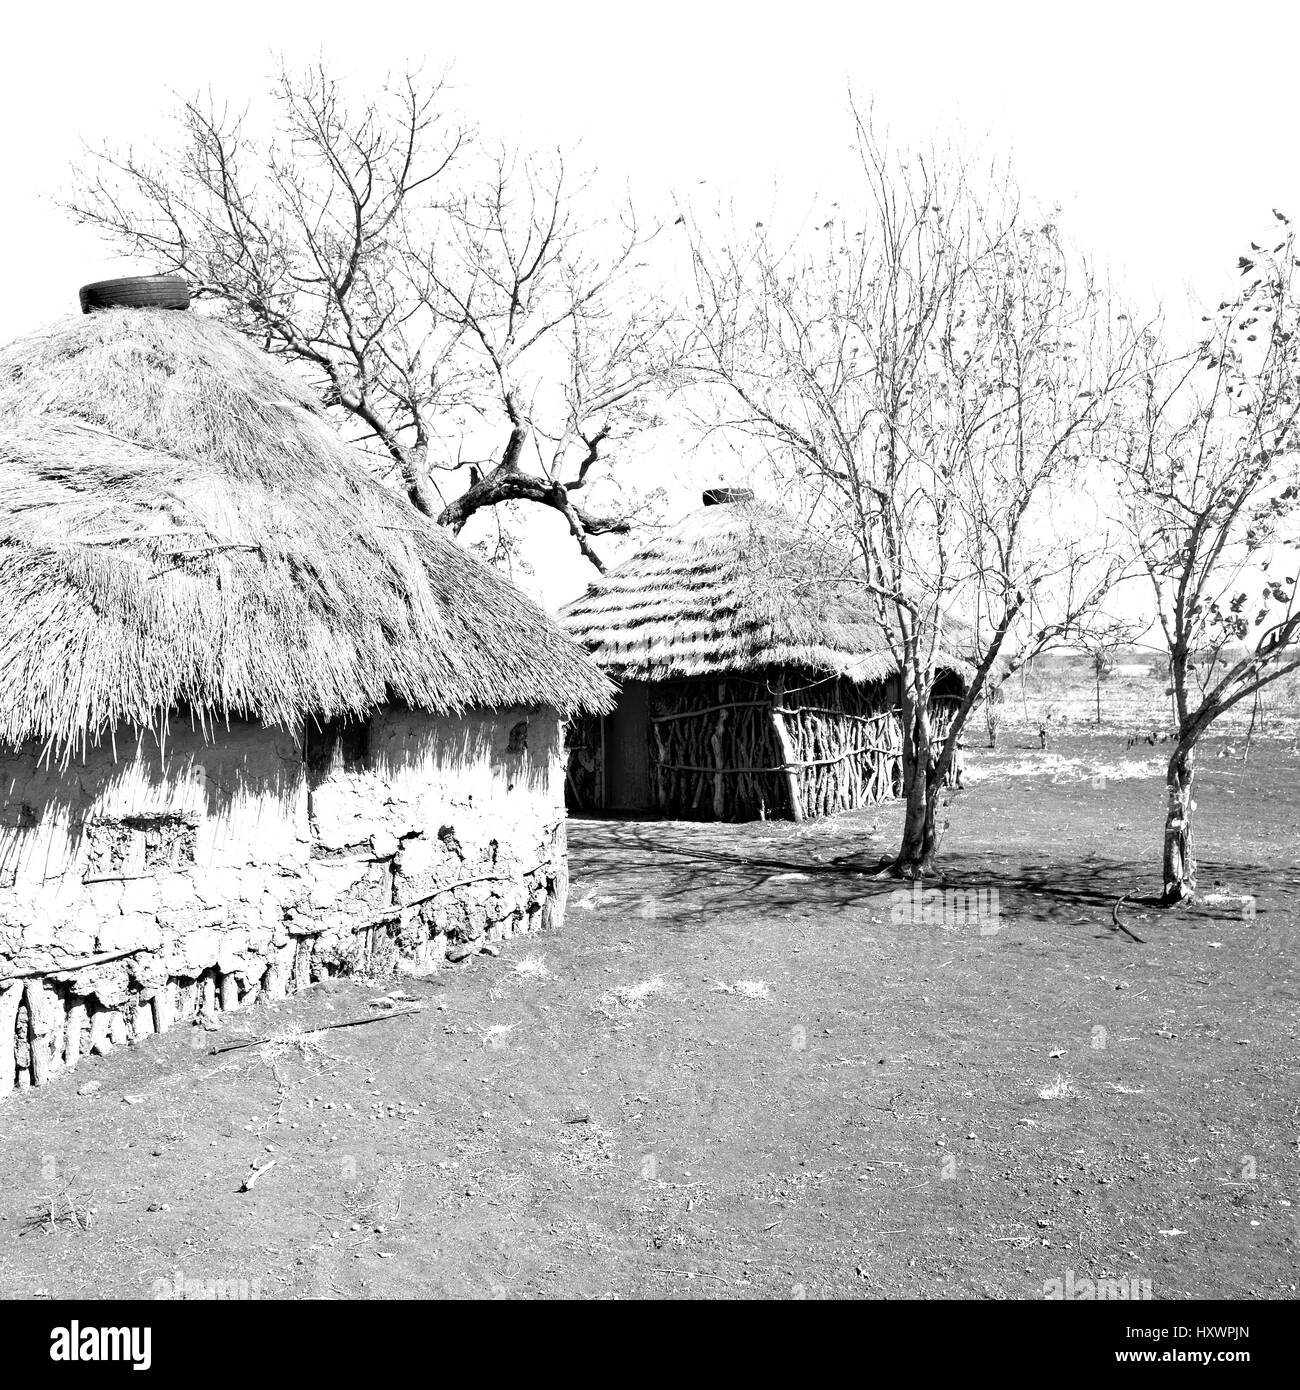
[(248, 862)]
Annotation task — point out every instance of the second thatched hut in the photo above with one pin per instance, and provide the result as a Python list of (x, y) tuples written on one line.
[(752, 682)]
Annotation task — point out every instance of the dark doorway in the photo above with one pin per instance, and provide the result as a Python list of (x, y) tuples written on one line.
[(627, 750)]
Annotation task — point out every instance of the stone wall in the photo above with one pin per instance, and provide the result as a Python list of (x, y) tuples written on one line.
[(217, 867)]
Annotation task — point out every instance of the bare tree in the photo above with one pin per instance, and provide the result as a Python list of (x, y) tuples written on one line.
[(992, 704), (1211, 495), (1103, 643), (441, 296), (938, 376)]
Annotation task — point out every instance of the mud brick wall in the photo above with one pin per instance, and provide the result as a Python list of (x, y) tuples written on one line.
[(224, 866)]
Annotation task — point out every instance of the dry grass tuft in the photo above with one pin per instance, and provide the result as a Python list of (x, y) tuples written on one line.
[(1058, 1090), (633, 996), (293, 1038), (747, 989), (627, 999)]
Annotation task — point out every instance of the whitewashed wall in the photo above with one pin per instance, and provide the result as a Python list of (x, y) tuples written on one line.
[(231, 872)]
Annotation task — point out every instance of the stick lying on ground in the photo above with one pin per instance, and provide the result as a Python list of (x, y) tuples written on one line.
[(1119, 926), (247, 1184), (324, 1028)]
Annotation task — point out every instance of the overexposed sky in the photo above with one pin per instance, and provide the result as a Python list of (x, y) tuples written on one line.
[(1166, 131)]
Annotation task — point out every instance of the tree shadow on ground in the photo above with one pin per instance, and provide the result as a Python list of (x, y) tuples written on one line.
[(673, 872)]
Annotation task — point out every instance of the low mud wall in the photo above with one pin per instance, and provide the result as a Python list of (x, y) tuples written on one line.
[(157, 882)]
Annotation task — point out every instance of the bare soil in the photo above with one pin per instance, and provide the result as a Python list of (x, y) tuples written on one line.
[(738, 1076)]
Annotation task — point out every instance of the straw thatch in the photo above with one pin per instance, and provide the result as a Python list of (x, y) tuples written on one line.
[(180, 527), (734, 588)]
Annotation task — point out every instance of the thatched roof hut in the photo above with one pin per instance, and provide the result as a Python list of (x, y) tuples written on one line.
[(260, 722), (181, 526), (757, 678), (732, 587)]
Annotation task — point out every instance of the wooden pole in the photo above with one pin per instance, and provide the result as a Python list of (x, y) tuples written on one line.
[(40, 1022), (10, 997), (143, 1019), (186, 994), (76, 1021), (273, 982), (302, 964), (719, 757), (100, 1042), (164, 1007), (229, 992), (787, 748)]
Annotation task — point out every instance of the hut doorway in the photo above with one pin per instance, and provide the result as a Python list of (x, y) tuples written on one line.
[(627, 751)]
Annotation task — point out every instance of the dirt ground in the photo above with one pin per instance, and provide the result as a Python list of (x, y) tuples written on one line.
[(736, 1074)]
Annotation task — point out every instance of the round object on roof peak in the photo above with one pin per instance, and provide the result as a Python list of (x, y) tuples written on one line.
[(136, 292)]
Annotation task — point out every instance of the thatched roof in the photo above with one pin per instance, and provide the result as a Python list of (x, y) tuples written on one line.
[(733, 588), (180, 527)]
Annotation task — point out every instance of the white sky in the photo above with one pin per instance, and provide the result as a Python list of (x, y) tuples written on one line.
[(1167, 131)]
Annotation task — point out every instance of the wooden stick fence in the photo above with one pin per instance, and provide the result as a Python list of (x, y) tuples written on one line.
[(741, 747)]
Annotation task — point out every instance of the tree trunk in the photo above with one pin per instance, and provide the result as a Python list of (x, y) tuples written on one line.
[(915, 857), (1179, 855), (921, 787)]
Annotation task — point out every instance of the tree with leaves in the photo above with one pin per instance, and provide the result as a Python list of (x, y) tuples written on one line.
[(1211, 497), (935, 374), (462, 308)]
